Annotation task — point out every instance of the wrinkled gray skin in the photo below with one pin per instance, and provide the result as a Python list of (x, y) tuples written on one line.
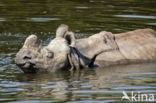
[(103, 49)]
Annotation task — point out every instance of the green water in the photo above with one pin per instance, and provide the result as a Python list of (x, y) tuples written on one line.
[(20, 18)]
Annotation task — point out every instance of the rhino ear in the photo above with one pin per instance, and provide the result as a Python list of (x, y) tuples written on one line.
[(31, 41), (109, 39), (70, 38), (61, 30)]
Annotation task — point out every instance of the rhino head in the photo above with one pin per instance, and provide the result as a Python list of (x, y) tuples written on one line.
[(33, 57)]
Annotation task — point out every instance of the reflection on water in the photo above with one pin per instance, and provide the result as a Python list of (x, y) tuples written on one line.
[(94, 85), (18, 19)]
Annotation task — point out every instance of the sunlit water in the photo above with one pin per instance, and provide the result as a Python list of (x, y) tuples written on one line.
[(19, 18)]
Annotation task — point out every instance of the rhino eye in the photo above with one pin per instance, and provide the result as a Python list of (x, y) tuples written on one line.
[(50, 55), (114, 38), (105, 41)]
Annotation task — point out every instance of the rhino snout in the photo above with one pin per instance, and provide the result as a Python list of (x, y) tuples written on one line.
[(23, 61)]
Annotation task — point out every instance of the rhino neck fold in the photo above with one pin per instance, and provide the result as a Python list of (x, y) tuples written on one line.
[(77, 60)]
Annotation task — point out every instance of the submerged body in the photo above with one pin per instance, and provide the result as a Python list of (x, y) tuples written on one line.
[(102, 49)]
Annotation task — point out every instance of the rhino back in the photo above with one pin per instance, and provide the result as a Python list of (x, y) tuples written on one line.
[(135, 46)]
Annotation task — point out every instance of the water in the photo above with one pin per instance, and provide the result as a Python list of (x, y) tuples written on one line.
[(20, 18)]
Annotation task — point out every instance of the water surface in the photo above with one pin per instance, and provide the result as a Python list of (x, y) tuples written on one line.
[(20, 18)]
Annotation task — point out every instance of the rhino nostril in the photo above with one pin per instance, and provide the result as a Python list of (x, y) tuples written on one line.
[(27, 58)]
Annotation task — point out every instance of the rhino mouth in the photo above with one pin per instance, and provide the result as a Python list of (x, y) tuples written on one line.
[(28, 67), (24, 65)]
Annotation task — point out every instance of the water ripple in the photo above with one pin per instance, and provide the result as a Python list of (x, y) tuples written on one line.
[(136, 16), (41, 19)]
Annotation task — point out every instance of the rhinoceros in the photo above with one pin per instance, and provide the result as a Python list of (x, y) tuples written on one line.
[(65, 52)]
